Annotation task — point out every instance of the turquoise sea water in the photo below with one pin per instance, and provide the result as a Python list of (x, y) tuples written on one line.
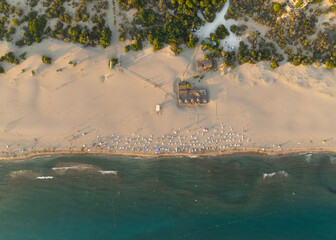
[(169, 198)]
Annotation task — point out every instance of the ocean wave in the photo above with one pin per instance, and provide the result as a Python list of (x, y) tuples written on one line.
[(193, 156), (44, 177), (280, 173), (22, 174), (63, 168), (108, 172)]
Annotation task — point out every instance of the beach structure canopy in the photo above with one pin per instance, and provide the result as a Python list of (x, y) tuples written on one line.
[(157, 108), (187, 96)]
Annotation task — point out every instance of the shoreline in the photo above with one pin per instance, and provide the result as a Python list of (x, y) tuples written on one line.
[(230, 152)]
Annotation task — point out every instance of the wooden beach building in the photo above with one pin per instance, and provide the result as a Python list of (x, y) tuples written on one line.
[(187, 96)]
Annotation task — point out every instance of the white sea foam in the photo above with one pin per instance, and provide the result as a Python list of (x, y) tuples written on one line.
[(69, 168), (44, 177), (308, 157), (269, 175), (79, 167), (109, 172), (332, 159), (62, 168)]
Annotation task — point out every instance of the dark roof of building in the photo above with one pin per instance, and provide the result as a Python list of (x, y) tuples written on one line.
[(191, 96)]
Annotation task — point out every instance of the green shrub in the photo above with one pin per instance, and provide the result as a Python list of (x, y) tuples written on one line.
[(15, 22), (276, 7), (157, 45), (23, 56), (10, 58), (331, 63), (274, 65), (46, 60), (105, 37), (299, 3), (2, 70)]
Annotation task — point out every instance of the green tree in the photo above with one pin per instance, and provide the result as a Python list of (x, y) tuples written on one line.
[(222, 32)]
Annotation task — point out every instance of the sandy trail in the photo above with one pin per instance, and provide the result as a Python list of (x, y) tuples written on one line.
[(230, 41)]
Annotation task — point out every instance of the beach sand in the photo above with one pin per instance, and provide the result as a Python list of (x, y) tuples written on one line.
[(91, 108)]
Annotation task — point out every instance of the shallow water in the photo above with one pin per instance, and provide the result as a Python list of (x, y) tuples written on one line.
[(238, 197)]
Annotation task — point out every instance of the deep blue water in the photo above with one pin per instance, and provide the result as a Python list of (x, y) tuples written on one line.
[(169, 198)]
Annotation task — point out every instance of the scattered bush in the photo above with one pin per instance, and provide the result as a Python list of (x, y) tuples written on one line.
[(23, 56), (276, 7), (127, 48), (274, 65), (10, 58), (46, 60)]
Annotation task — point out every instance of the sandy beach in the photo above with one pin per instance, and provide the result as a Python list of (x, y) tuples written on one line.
[(89, 108)]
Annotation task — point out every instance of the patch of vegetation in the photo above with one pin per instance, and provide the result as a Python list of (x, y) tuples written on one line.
[(105, 37), (39, 28), (113, 62), (23, 56), (331, 63), (238, 30), (16, 22), (222, 32), (35, 31), (299, 3), (276, 7), (266, 52), (274, 65), (229, 59), (10, 58), (231, 14), (294, 29), (46, 60), (174, 27)]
